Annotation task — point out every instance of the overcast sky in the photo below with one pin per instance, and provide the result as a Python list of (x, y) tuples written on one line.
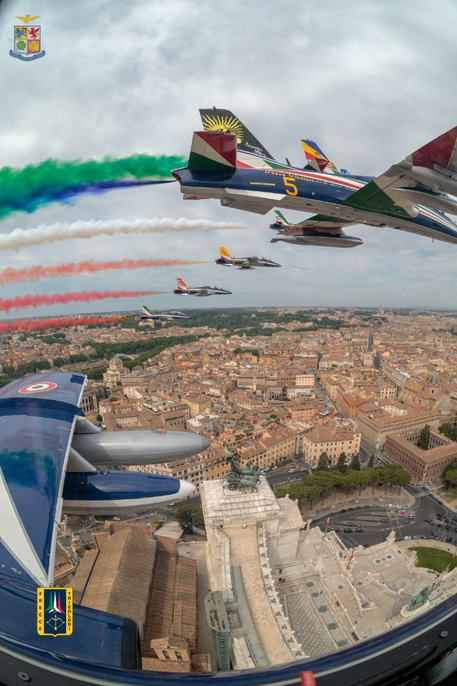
[(369, 80)]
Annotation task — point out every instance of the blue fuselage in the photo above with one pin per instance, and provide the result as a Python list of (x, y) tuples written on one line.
[(259, 190)]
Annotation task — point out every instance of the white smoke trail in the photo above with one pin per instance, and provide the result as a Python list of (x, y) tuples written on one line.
[(25, 238)]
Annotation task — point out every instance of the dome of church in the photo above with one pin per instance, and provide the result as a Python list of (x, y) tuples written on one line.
[(444, 404), (433, 380)]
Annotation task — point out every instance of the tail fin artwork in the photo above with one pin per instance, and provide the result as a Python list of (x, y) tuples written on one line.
[(181, 285), (145, 311), (280, 218), (212, 150), (316, 158), (223, 120), (224, 252)]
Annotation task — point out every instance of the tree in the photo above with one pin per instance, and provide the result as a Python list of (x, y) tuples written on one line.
[(371, 462), (189, 516), (310, 493), (355, 463), (451, 478), (449, 429), (349, 480), (323, 461), (424, 438), (341, 464)]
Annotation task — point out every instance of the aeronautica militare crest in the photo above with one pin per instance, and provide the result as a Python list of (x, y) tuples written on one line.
[(27, 40)]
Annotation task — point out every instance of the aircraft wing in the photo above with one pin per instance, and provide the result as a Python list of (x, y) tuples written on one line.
[(323, 223), (37, 420), (257, 201), (251, 263), (430, 169)]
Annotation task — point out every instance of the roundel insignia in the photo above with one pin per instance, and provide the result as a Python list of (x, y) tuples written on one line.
[(38, 387)]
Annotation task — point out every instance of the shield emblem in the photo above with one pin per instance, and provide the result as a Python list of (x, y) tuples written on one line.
[(27, 42)]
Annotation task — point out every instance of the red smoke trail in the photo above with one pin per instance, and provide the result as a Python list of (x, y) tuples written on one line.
[(59, 323), (10, 275), (23, 301)]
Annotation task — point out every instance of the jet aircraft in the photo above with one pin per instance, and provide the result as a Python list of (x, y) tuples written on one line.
[(305, 233), (199, 291), (53, 458), (228, 163), (147, 315), (227, 260)]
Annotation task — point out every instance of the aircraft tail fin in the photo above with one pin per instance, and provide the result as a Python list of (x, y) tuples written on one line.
[(212, 150), (281, 217), (223, 120), (145, 311), (316, 158), (181, 285), (224, 252), (441, 152)]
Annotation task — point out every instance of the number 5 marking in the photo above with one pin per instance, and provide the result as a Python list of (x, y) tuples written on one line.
[(291, 187)]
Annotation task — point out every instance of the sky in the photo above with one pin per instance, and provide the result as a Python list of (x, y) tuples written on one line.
[(369, 80)]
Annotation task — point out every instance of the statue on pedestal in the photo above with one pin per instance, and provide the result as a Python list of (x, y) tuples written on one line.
[(421, 598), (241, 477)]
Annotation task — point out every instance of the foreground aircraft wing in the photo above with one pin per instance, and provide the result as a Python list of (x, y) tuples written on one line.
[(37, 419), (425, 176)]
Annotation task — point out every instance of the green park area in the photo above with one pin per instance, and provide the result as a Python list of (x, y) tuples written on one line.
[(433, 558)]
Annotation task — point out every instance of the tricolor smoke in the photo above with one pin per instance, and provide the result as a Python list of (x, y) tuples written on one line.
[(23, 301), (39, 184), (55, 323), (10, 275), (25, 238)]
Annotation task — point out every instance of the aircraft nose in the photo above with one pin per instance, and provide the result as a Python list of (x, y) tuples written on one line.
[(185, 490)]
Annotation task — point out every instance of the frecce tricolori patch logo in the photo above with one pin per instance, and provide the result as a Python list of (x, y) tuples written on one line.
[(54, 611)]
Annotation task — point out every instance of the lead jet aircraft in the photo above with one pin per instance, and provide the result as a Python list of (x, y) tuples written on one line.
[(227, 260), (199, 291), (147, 315), (228, 163)]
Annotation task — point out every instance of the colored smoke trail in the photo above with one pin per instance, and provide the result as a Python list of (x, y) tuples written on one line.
[(10, 275), (25, 238), (23, 301), (55, 323), (36, 185)]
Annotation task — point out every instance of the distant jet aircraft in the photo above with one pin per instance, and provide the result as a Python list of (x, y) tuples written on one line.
[(200, 291), (329, 233), (227, 260), (147, 315), (228, 163)]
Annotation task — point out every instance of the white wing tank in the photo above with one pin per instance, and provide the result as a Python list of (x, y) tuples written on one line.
[(102, 448)]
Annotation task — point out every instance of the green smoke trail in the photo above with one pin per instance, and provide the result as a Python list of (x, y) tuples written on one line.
[(39, 184)]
